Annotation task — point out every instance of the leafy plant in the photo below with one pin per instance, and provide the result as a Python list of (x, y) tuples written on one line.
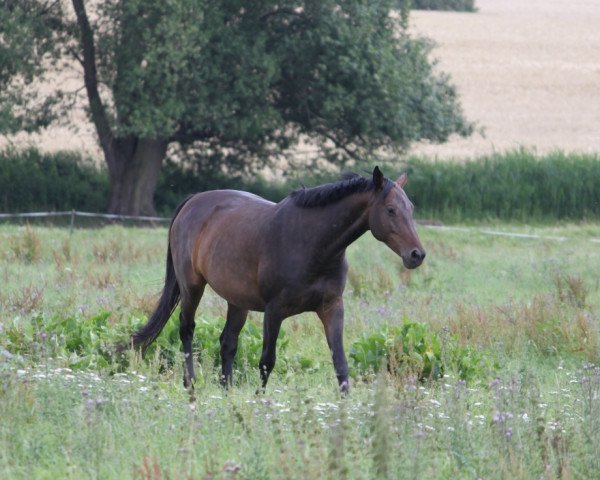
[(413, 347), (408, 347), (207, 343), (469, 363)]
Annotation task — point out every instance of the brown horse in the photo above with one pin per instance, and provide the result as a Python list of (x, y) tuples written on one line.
[(281, 259)]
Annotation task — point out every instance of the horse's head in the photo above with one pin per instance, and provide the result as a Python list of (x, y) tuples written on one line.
[(391, 219)]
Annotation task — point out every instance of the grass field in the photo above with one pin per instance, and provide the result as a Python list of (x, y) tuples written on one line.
[(520, 314)]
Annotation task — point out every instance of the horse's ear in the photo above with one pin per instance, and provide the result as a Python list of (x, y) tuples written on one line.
[(377, 178), (402, 179)]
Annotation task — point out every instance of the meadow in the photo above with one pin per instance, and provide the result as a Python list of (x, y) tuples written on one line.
[(500, 378)]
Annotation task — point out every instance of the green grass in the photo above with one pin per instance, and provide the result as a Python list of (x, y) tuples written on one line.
[(527, 308)]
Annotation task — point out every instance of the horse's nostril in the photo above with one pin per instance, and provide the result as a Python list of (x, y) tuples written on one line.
[(417, 255)]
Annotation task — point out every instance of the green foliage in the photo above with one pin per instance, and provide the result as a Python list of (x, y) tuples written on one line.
[(237, 83), (457, 5), (469, 363), (180, 179), (34, 181), (91, 342), (410, 347), (366, 85), (28, 44), (83, 342), (516, 185), (207, 344), (414, 348)]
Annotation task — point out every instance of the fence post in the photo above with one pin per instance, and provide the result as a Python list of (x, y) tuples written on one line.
[(72, 226)]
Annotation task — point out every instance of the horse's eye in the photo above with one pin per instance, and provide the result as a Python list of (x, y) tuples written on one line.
[(391, 211)]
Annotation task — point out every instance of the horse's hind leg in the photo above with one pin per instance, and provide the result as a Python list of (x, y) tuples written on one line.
[(271, 327), (236, 318), (190, 297)]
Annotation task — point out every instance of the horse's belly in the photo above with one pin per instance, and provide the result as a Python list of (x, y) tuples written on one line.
[(238, 293), (233, 275)]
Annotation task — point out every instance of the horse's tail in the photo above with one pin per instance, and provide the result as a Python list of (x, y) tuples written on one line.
[(166, 305)]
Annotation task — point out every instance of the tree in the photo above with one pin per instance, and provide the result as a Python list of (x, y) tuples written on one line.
[(26, 43), (242, 81)]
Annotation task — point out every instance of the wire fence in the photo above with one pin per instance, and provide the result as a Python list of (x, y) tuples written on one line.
[(153, 221), (72, 216)]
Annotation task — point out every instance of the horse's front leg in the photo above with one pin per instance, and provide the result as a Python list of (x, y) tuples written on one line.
[(332, 316), (271, 327)]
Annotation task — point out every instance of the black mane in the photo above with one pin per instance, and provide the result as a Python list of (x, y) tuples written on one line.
[(333, 192)]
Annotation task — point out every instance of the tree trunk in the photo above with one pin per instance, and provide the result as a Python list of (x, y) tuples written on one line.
[(133, 172)]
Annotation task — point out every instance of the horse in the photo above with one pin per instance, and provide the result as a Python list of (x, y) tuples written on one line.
[(280, 258)]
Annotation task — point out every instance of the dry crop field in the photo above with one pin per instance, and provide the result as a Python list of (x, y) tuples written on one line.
[(527, 71)]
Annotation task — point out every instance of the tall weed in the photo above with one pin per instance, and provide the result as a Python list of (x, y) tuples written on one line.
[(25, 246)]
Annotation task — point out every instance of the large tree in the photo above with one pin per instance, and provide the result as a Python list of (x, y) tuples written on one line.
[(27, 45), (243, 80)]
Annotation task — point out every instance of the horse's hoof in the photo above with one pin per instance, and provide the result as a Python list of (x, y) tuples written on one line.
[(344, 387), (188, 384)]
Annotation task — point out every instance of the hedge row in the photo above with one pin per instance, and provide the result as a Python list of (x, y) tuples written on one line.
[(35, 181), (511, 186), (456, 5)]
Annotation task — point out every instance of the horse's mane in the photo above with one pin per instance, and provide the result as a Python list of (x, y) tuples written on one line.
[(333, 192)]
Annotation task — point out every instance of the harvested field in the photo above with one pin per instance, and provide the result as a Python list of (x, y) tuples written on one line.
[(527, 72)]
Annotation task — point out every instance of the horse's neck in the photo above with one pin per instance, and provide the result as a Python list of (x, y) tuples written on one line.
[(346, 221)]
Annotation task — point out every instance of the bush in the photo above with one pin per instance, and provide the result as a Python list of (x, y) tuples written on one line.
[(33, 181), (92, 342), (511, 186), (457, 5)]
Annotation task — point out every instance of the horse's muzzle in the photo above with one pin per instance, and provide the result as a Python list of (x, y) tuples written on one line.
[(414, 258)]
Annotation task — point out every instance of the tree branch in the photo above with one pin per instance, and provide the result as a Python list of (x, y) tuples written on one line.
[(187, 133), (76, 56), (90, 75), (282, 11), (351, 153)]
